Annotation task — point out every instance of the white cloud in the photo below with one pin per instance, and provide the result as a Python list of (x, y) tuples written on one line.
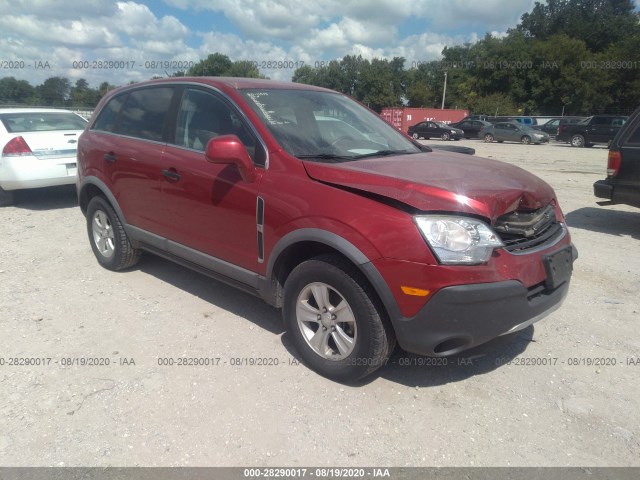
[(57, 9), (137, 20), (268, 30), (488, 14), (60, 32)]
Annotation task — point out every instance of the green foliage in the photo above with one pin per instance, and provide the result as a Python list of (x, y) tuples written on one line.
[(378, 83), (219, 65), (84, 96), (14, 91), (600, 23), (494, 104)]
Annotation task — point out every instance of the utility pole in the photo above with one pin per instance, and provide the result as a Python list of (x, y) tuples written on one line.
[(444, 92)]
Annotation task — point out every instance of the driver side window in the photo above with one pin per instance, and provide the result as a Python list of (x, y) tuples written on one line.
[(203, 116)]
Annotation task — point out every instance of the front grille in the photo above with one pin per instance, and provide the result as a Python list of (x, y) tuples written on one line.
[(522, 232)]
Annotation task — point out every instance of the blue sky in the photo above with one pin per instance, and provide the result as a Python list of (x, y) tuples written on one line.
[(118, 42)]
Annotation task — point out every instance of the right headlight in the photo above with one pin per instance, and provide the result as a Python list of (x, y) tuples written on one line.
[(458, 240)]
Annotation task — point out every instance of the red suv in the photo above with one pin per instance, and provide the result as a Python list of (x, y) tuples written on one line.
[(309, 200)]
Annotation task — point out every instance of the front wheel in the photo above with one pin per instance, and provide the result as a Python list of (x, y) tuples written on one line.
[(488, 138), (415, 136), (336, 322), (446, 137), (109, 240), (577, 141), (526, 140)]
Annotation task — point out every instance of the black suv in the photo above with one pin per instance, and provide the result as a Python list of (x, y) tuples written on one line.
[(622, 184), (595, 129)]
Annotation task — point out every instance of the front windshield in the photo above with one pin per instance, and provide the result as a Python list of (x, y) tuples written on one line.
[(325, 126), (443, 125)]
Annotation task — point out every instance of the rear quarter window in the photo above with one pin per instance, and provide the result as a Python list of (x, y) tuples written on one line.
[(140, 113), (106, 121), (144, 113), (634, 136)]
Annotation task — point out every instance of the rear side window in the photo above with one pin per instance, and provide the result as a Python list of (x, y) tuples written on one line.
[(144, 113), (106, 121), (617, 122)]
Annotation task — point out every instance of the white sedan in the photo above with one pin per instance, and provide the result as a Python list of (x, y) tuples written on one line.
[(38, 149)]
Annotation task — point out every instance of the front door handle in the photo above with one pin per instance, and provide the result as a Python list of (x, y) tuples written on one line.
[(171, 174), (110, 157)]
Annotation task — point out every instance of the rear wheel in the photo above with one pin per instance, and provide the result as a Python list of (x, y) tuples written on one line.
[(577, 141), (336, 322), (109, 240), (488, 138), (6, 197), (526, 140)]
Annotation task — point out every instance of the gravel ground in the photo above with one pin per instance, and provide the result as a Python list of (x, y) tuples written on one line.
[(562, 393)]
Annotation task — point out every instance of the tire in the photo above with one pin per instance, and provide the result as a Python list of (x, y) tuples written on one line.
[(415, 136), (342, 351), (488, 138), (526, 140), (6, 197), (577, 141), (445, 137), (109, 241)]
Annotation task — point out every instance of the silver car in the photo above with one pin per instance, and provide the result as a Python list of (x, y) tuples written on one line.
[(513, 132)]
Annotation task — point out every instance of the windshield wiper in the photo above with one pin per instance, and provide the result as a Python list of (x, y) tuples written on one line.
[(383, 153), (325, 156)]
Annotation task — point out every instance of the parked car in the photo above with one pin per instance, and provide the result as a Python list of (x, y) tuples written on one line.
[(38, 149), (470, 128), (431, 129), (529, 121), (591, 130), (362, 241), (551, 126), (513, 132), (622, 184)]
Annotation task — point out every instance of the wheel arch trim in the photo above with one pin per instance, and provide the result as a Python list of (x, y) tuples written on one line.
[(344, 247), (96, 182)]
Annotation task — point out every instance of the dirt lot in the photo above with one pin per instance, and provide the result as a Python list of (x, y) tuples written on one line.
[(562, 393)]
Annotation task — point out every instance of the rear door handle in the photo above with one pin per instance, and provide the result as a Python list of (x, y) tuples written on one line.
[(171, 174), (110, 157)]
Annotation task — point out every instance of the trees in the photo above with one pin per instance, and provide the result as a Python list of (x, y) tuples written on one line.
[(599, 23), (377, 83), (14, 91), (54, 91), (219, 65)]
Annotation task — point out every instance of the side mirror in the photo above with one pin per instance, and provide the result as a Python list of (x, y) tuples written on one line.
[(228, 149)]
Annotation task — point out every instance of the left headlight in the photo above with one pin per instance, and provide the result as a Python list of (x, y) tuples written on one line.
[(458, 240)]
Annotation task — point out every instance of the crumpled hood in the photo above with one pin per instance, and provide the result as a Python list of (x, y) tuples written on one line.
[(441, 181)]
